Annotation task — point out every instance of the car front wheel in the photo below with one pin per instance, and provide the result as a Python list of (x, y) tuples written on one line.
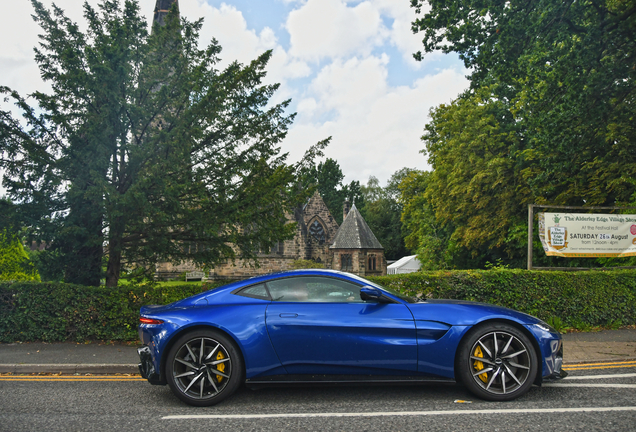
[(204, 367), (497, 362)]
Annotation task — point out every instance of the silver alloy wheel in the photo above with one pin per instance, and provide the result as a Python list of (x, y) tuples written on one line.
[(202, 368), (500, 362)]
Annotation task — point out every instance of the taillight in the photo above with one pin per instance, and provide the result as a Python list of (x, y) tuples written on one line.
[(150, 321)]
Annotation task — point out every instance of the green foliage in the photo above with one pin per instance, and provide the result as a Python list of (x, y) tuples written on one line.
[(327, 178), (144, 145), (49, 264), (15, 264), (382, 211), (549, 119), (306, 264), (53, 312), (580, 300), (474, 186)]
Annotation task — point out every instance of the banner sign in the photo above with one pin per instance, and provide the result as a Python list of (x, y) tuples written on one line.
[(587, 235)]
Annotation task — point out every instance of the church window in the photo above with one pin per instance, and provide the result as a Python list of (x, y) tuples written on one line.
[(317, 231), (346, 262), (372, 262)]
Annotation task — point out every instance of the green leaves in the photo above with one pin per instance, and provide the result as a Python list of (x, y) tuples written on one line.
[(549, 118), (144, 146), (585, 299), (15, 264)]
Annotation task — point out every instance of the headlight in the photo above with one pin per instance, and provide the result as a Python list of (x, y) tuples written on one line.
[(545, 327)]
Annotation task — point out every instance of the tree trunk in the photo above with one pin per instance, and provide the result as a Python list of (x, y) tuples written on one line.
[(113, 268), (82, 241)]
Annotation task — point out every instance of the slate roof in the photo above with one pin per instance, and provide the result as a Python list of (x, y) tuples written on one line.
[(354, 233)]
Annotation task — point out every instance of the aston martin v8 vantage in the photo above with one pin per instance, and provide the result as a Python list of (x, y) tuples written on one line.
[(331, 327)]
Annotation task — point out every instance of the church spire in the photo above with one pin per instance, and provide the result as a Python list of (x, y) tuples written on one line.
[(162, 8)]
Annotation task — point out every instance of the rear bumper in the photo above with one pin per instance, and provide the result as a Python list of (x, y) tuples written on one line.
[(147, 367)]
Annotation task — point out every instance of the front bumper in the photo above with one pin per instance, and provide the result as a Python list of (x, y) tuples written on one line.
[(558, 373), (147, 367)]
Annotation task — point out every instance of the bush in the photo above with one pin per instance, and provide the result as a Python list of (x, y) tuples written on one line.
[(579, 300), (54, 312), (306, 264), (15, 264)]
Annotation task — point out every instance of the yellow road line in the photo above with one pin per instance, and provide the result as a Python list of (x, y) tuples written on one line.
[(610, 365), (604, 363), (597, 367), (69, 378)]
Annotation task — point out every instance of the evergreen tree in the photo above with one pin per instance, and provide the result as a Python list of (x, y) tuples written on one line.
[(15, 264), (144, 151)]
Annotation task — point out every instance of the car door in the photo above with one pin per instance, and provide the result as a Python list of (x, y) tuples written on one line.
[(320, 325)]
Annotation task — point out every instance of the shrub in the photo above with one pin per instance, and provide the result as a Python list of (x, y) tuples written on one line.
[(580, 300), (306, 264), (15, 264), (53, 312)]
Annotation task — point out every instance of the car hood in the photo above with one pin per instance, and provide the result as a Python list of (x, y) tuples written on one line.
[(458, 312)]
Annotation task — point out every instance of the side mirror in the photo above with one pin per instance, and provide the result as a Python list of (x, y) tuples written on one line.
[(370, 293)]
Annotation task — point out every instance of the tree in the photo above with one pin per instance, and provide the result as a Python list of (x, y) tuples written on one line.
[(567, 71), (475, 185), (549, 117), (327, 178), (382, 210), (145, 147), (14, 261)]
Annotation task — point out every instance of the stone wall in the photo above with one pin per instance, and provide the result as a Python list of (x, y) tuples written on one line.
[(315, 232)]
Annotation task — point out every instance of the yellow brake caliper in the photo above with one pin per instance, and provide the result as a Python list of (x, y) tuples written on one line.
[(221, 366), (480, 365)]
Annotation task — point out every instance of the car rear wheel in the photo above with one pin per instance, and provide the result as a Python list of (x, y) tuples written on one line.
[(497, 362), (204, 367)]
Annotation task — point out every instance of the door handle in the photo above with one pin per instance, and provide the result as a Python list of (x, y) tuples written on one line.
[(288, 315)]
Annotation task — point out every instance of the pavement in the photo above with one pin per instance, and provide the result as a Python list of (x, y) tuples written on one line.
[(114, 358)]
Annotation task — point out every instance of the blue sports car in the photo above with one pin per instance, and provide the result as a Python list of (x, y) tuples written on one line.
[(327, 326)]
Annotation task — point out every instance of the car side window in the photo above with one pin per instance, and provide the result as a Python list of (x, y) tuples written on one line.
[(314, 289), (255, 291)]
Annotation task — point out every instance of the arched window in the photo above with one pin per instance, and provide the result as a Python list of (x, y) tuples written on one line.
[(346, 262), (317, 231)]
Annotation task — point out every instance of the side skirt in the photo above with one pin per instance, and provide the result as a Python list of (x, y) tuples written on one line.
[(290, 380)]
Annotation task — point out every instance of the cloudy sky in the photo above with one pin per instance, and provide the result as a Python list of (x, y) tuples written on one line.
[(346, 64)]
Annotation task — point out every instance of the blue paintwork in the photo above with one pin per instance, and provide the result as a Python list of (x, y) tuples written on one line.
[(372, 338), (343, 338)]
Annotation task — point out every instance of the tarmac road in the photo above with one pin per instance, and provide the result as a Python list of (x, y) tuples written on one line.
[(593, 397), (599, 394)]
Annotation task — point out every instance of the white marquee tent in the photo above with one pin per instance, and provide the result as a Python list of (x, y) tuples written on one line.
[(407, 264)]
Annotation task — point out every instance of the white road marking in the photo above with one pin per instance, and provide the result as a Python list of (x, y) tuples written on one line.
[(401, 413), (584, 377), (590, 385)]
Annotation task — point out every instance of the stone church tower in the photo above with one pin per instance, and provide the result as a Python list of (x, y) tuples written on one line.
[(162, 8)]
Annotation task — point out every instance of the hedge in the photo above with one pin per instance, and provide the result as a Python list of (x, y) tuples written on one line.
[(578, 300), (53, 312)]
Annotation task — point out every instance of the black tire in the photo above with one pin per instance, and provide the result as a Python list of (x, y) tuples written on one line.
[(204, 367), (497, 362)]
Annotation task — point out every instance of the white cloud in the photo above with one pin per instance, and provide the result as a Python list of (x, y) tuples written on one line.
[(351, 86), (229, 27), (329, 28), (379, 134)]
